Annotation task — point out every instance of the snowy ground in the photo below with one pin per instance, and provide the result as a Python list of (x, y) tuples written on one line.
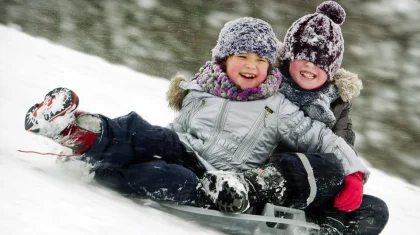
[(38, 197)]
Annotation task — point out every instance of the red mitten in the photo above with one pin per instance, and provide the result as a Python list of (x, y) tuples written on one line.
[(350, 197)]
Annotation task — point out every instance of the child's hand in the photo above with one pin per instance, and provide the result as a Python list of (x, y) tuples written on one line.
[(319, 109), (350, 198)]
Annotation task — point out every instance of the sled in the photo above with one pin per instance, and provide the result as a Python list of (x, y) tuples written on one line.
[(274, 220)]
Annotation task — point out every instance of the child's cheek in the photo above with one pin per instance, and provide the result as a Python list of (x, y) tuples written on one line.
[(233, 68)]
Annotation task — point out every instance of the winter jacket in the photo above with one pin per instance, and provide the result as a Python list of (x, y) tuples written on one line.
[(344, 126), (237, 136), (349, 87)]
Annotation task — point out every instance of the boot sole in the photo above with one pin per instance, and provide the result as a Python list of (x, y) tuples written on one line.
[(231, 201), (70, 105)]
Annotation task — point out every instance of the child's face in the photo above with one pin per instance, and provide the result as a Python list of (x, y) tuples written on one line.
[(307, 75), (247, 70)]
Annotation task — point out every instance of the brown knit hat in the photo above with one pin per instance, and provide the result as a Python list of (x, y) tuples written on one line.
[(317, 38)]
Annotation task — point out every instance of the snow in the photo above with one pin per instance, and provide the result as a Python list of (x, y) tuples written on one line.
[(39, 197)]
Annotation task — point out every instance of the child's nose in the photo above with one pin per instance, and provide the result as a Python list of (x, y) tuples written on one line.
[(251, 64), (310, 64)]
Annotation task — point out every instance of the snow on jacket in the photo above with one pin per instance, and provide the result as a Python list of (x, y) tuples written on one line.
[(237, 136)]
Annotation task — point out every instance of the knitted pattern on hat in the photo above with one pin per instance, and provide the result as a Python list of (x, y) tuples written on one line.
[(314, 103), (317, 38), (215, 81), (246, 35)]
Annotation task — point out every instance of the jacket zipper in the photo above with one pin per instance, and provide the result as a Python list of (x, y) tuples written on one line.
[(195, 110), (218, 128), (268, 111), (257, 128)]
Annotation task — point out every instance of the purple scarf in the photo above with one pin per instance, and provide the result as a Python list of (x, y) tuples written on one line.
[(215, 81)]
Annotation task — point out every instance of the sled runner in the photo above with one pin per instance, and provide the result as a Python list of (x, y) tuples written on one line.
[(275, 220)]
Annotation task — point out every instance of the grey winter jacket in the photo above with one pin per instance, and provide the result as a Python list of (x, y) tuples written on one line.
[(237, 136)]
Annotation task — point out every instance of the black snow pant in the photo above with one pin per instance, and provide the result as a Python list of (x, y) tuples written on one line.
[(369, 219), (138, 159)]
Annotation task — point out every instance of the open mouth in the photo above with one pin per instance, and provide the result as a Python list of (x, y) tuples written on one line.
[(248, 76), (307, 75)]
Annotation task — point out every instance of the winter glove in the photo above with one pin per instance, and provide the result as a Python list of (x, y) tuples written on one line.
[(319, 109), (350, 197)]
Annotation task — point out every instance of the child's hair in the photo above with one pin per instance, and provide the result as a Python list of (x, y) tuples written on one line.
[(317, 38), (246, 35)]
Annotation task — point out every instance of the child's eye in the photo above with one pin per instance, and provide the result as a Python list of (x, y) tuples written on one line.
[(262, 60), (242, 56)]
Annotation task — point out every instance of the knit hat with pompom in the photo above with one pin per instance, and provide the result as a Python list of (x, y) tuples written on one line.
[(317, 38), (246, 35)]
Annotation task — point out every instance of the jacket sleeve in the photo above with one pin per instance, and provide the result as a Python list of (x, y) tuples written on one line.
[(307, 135), (179, 124), (343, 126)]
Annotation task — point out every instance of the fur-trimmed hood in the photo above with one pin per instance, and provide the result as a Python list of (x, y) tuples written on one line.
[(175, 94), (349, 86)]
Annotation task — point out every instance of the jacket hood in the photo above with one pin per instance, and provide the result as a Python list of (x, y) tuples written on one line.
[(349, 85), (175, 94)]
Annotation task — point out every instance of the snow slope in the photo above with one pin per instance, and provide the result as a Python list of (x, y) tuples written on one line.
[(39, 197)]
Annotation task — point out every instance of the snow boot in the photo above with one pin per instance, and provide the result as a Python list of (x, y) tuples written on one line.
[(329, 221), (56, 118), (266, 185), (53, 114), (236, 192), (82, 133), (227, 191)]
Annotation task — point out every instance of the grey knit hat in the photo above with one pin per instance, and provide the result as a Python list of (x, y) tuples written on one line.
[(245, 35), (317, 38)]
